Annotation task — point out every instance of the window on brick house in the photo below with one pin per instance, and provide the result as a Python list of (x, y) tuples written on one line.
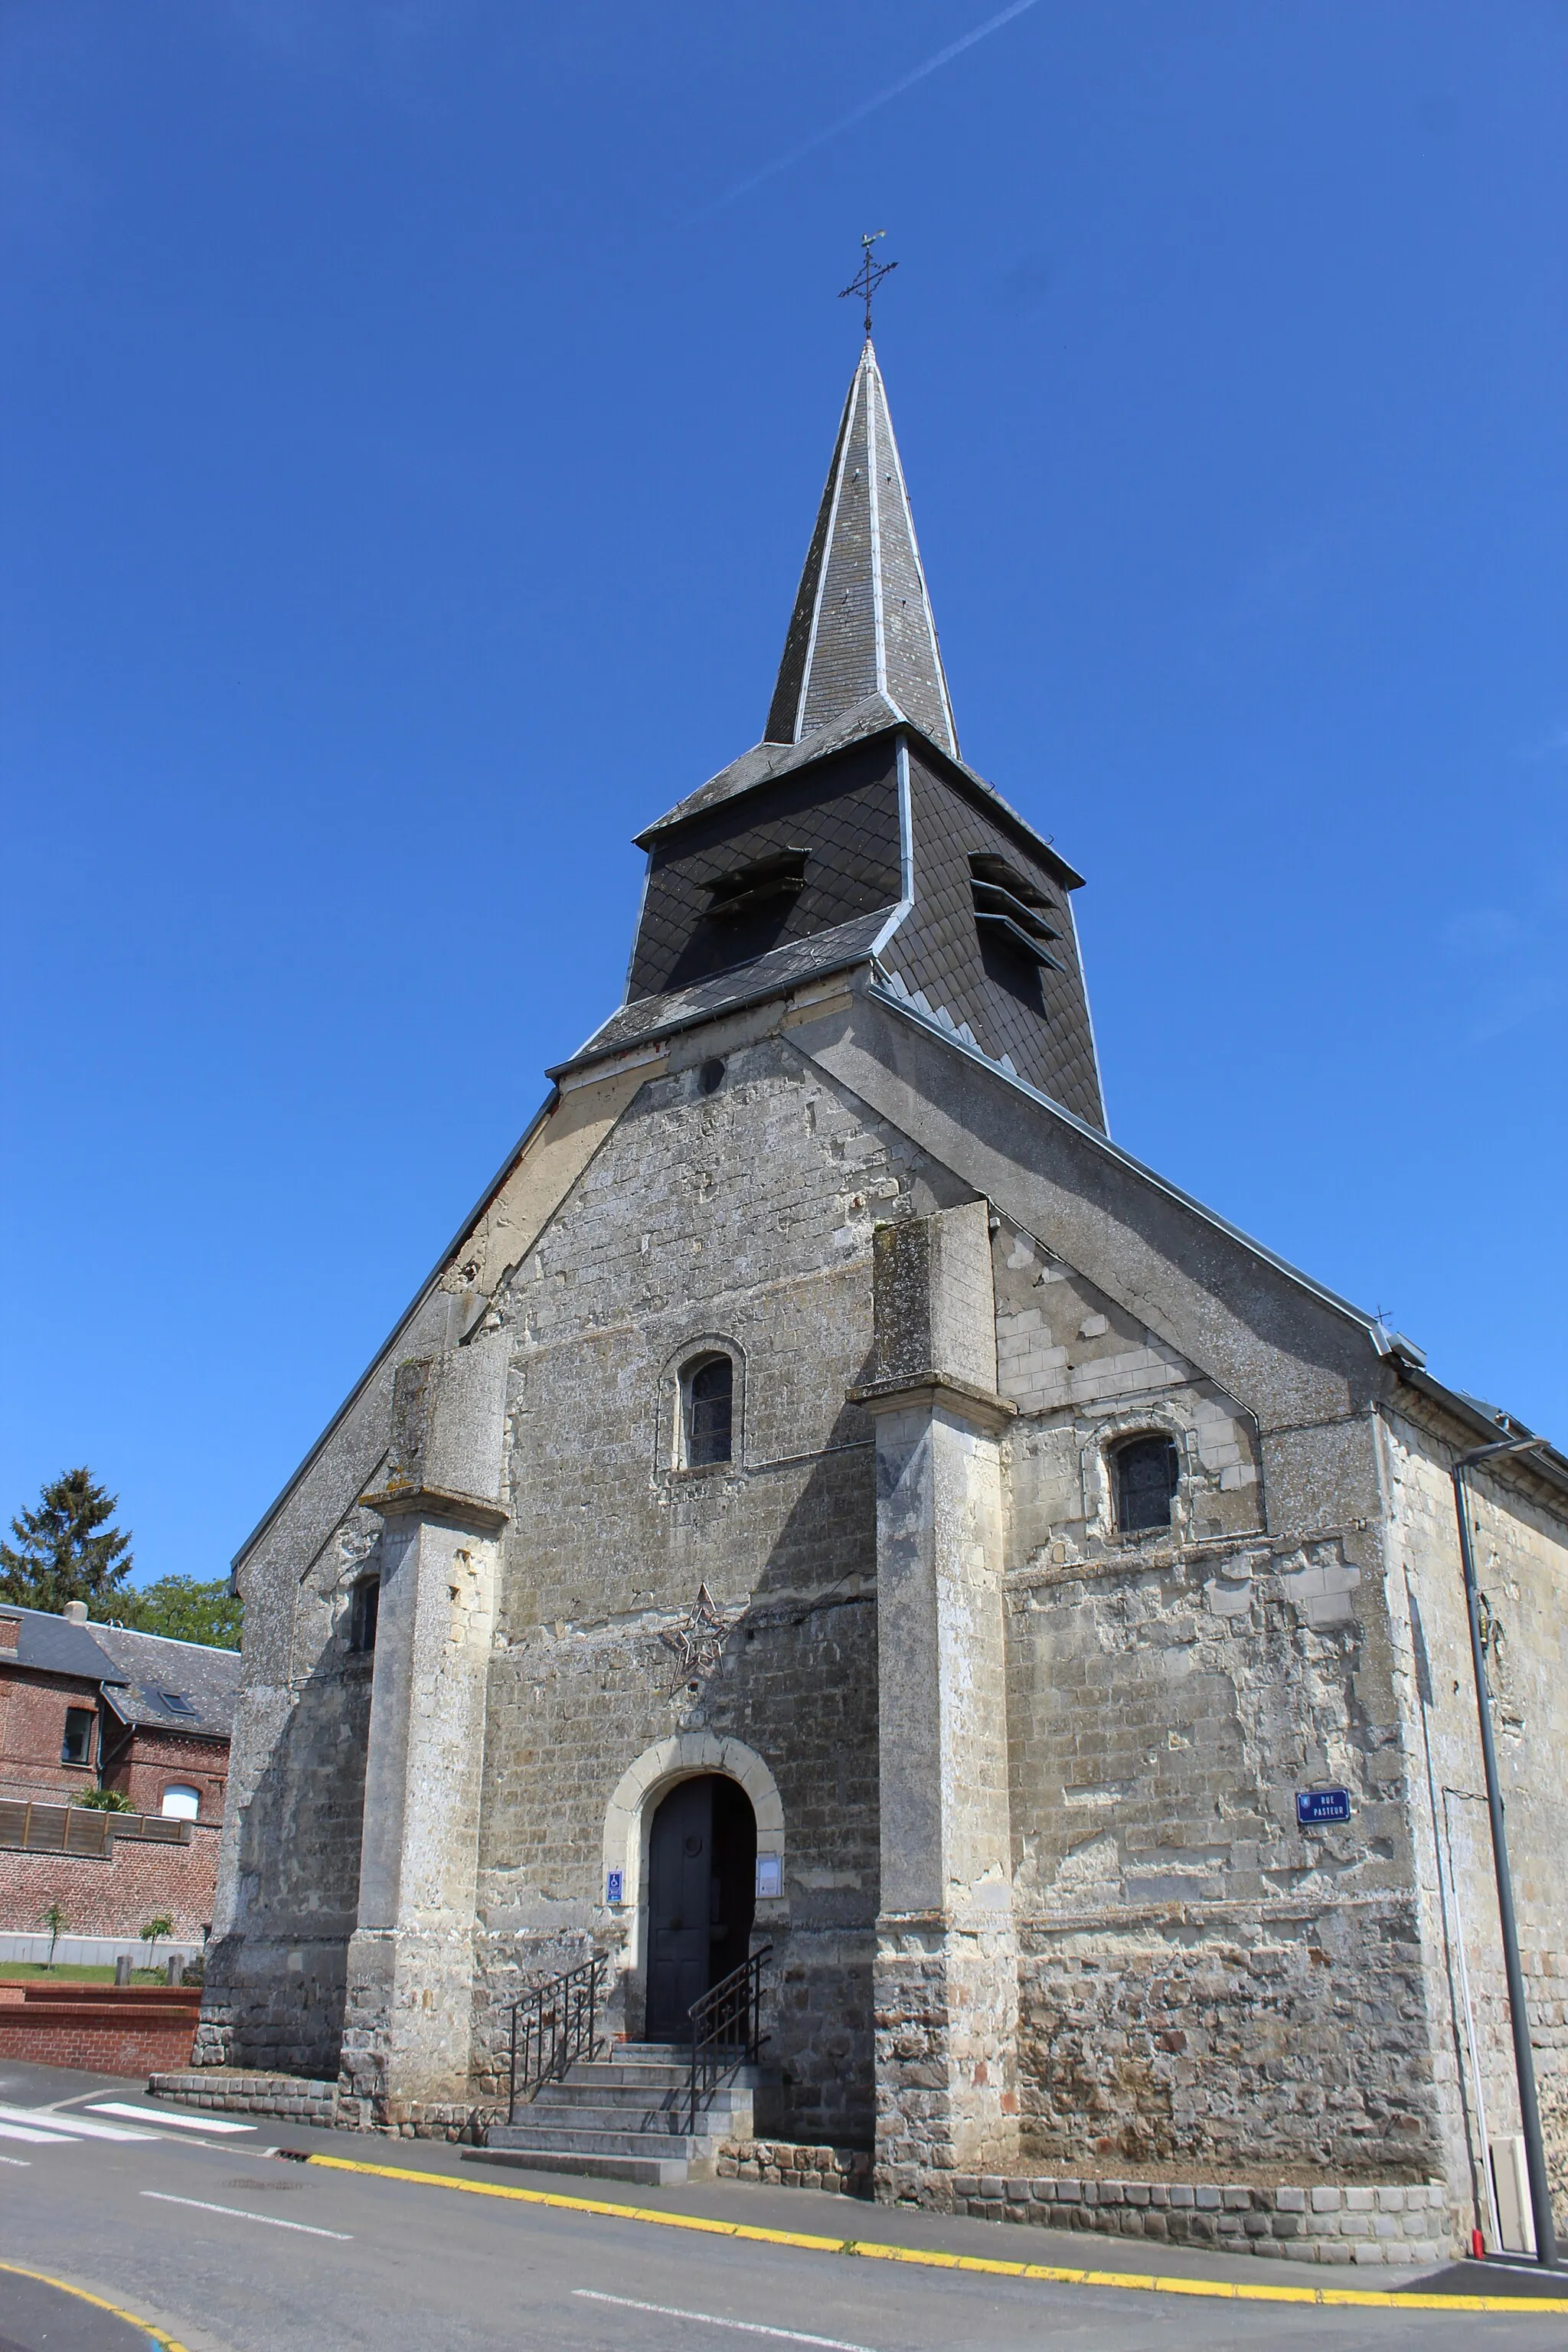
[(707, 1400), (76, 1747), (182, 1803), (363, 1609), (1146, 1472)]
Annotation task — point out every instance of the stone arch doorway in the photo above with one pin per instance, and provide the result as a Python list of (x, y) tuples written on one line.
[(701, 1883)]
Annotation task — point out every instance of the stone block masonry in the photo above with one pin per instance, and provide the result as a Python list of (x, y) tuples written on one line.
[(1023, 1767), (1374, 2222), (297, 2098), (786, 2164)]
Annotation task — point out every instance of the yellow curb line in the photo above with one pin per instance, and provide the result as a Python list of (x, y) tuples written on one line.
[(928, 2259), (169, 2343)]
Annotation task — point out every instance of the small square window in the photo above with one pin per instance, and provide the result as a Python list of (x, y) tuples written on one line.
[(76, 1747)]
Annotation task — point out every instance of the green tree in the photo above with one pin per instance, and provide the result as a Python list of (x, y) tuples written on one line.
[(185, 1609), (104, 1800), (63, 1550), (57, 1923), (153, 1931)]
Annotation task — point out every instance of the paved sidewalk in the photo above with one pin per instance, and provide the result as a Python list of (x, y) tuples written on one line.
[(800, 2213)]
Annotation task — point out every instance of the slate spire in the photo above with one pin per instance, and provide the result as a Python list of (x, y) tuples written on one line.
[(862, 622)]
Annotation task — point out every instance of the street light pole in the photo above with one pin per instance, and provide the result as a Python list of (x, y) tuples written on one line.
[(1523, 2062)]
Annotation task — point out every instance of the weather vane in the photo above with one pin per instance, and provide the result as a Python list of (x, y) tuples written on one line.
[(869, 277)]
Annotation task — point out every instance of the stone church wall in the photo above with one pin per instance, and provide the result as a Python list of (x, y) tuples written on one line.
[(740, 1216), (1201, 1982), (1522, 1565), (277, 1970)]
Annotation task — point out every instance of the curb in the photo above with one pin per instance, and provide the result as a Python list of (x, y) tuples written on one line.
[(1220, 2289), (132, 2320)]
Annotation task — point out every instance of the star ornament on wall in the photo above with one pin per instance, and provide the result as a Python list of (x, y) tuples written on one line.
[(699, 1644)]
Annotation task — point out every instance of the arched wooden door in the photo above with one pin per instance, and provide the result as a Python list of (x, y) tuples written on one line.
[(703, 1869)]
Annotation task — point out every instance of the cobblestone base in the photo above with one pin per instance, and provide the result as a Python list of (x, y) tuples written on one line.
[(296, 2099), (1301, 2225), (292, 2096), (786, 2164)]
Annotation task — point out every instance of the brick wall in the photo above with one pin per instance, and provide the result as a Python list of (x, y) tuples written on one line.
[(157, 1759), (32, 1727), (103, 2037), (114, 1895)]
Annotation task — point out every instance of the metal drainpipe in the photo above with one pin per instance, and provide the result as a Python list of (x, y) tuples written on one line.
[(1523, 2059)]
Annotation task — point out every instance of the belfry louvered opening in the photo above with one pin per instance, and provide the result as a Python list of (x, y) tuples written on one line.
[(764, 882), (1010, 908)]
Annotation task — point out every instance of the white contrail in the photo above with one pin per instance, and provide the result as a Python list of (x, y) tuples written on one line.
[(869, 105)]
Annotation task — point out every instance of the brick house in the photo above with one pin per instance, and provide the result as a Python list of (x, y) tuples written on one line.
[(84, 1706)]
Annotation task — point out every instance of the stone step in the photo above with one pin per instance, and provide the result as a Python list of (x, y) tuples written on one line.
[(592, 2090), (662, 2172), (652, 2122), (593, 2139), (650, 2079), (648, 2070)]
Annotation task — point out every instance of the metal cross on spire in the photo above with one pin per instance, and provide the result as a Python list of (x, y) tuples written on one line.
[(869, 277)]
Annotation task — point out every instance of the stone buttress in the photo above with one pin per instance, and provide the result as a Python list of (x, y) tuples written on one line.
[(947, 1969), (411, 1960)]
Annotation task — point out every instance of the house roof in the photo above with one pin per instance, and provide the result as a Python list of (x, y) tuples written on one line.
[(139, 1673), (170, 1685), (53, 1645)]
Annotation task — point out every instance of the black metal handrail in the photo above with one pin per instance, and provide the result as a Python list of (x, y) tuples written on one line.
[(726, 2030), (552, 2029)]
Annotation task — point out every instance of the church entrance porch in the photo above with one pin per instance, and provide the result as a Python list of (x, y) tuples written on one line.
[(702, 1862)]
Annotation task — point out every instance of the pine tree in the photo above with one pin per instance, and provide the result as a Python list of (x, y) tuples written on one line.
[(60, 1554)]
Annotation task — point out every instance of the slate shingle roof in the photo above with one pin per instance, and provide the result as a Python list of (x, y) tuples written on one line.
[(135, 1670), (147, 1668), (862, 620), (53, 1646), (768, 975)]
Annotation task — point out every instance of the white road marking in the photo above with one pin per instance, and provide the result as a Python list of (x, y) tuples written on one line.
[(156, 2115), (68, 2127), (238, 2213), (24, 2161), (38, 2138), (707, 2319)]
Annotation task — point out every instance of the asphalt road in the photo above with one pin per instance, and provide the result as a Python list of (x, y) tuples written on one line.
[(226, 2248)]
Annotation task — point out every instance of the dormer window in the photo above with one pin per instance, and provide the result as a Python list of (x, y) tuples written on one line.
[(707, 1414), (1011, 909), (764, 882)]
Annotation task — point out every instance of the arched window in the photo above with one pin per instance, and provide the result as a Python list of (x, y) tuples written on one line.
[(1146, 1472), (363, 1611), (182, 1803), (707, 1400)]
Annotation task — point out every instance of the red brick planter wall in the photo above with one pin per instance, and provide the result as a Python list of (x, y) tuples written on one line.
[(109, 2030)]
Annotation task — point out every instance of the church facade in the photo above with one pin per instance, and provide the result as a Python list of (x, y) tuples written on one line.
[(826, 1454)]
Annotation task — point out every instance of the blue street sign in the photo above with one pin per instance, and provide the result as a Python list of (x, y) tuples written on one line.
[(616, 1880), (1316, 1805)]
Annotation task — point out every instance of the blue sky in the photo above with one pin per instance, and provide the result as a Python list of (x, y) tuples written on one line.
[(413, 417)]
